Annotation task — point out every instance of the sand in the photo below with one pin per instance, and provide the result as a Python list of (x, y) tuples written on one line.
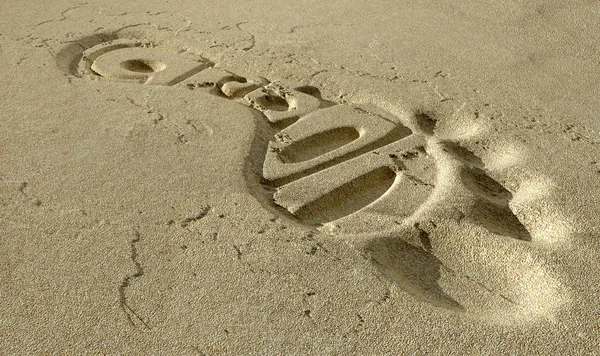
[(301, 178)]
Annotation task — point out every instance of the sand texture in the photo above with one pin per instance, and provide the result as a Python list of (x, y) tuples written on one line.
[(300, 178)]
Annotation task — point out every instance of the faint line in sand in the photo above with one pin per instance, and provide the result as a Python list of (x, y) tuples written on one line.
[(127, 282)]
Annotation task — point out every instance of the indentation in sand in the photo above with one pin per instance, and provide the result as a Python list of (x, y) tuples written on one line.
[(143, 65), (318, 144), (434, 220), (348, 198)]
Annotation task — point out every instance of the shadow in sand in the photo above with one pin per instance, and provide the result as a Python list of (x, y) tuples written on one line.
[(412, 268), (68, 58), (491, 208)]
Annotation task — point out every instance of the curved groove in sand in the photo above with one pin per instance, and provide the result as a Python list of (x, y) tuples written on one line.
[(348, 198), (318, 144)]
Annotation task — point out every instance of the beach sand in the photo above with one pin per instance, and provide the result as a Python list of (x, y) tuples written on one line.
[(301, 178)]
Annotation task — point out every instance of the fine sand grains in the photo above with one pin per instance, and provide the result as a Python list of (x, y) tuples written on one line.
[(373, 179)]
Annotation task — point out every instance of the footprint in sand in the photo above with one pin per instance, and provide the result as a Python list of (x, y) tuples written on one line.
[(356, 170)]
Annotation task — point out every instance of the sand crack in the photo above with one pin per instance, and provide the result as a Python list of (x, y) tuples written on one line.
[(139, 272)]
